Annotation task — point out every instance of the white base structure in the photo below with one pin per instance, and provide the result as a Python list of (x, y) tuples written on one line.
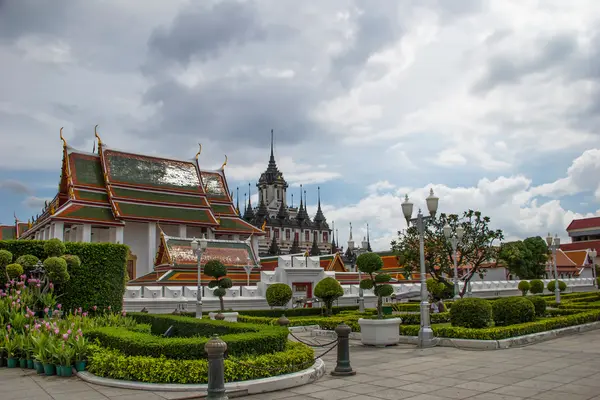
[(380, 332), (229, 316)]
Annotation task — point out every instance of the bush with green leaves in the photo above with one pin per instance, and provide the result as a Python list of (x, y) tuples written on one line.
[(5, 258), (539, 305), (371, 264), (561, 286), (28, 262), (435, 288), (72, 261), (524, 287), (279, 295), (536, 286), (217, 270), (14, 270), (56, 270), (54, 248), (328, 290), (512, 310), (471, 313)]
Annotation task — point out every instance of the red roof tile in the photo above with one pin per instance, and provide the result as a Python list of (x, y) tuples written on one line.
[(592, 244), (584, 223)]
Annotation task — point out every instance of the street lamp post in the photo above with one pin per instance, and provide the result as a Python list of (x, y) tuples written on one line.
[(454, 241), (593, 255), (199, 246), (554, 245), (426, 338)]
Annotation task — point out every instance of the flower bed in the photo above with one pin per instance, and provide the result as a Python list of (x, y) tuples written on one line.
[(114, 364)]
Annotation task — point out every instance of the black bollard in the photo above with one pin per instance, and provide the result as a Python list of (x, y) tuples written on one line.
[(283, 321), (343, 367), (216, 348)]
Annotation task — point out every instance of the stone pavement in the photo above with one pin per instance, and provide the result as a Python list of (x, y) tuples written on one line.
[(561, 369)]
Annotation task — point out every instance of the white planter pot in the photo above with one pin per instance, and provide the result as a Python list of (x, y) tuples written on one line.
[(229, 316), (380, 332)]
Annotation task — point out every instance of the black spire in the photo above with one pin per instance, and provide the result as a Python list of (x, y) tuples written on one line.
[(272, 175), (337, 243), (262, 213), (237, 200), (274, 248), (320, 220), (368, 240), (300, 214), (272, 158), (295, 249), (249, 215), (282, 214), (292, 200), (333, 246), (314, 250)]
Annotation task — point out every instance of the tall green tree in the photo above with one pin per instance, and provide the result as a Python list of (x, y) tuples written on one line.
[(478, 246), (525, 258)]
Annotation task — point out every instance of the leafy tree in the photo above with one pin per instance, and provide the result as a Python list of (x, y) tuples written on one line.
[(215, 269), (475, 249), (279, 295), (328, 290), (525, 258), (371, 263)]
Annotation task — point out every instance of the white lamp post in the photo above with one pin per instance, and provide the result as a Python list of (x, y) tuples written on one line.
[(454, 241), (248, 268), (426, 338), (554, 245), (593, 255), (199, 246)]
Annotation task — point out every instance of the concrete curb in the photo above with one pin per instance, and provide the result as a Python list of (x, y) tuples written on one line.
[(255, 386), (518, 341)]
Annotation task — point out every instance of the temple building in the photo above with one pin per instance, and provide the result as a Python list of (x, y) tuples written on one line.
[(289, 229), (122, 197)]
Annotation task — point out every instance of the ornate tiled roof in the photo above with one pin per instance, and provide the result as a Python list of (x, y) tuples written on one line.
[(75, 211), (585, 223), (7, 232)]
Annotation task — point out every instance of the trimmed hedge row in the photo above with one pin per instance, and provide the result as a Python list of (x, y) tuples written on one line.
[(498, 333), (114, 364), (296, 312), (98, 281)]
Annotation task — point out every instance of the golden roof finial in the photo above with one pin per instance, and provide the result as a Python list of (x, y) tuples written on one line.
[(97, 136), (225, 163), (62, 138), (264, 225), (199, 151)]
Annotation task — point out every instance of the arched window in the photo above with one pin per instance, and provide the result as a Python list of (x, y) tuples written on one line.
[(307, 236), (287, 234)]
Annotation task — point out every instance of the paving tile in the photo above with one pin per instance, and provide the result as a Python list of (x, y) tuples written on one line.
[(180, 395), (140, 395), (422, 387), (519, 391), (360, 388), (330, 394), (579, 389), (71, 395), (556, 395), (495, 396), (538, 384), (502, 379), (455, 393), (66, 387), (557, 378), (393, 394), (426, 396), (390, 383), (479, 386)]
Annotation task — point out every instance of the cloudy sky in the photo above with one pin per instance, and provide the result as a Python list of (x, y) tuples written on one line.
[(493, 104)]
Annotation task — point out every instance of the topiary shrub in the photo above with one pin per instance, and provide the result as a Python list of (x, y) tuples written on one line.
[(536, 286), (371, 264), (72, 261), (471, 313), (524, 287), (14, 270), (328, 290), (54, 248), (5, 258), (539, 305), (512, 310), (435, 288), (28, 262), (56, 270), (561, 286), (215, 269), (279, 295)]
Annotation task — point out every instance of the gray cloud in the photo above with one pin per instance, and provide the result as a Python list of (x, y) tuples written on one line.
[(15, 187), (35, 202)]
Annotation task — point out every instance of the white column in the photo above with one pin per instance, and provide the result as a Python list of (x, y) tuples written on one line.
[(86, 233), (58, 230), (46, 232), (151, 244), (119, 234), (182, 231), (112, 235)]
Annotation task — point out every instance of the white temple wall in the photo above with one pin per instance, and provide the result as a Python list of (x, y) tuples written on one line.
[(135, 236), (100, 235), (169, 230)]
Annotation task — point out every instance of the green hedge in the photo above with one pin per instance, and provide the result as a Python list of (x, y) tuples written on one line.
[(295, 312), (98, 281), (189, 337), (498, 333), (114, 364)]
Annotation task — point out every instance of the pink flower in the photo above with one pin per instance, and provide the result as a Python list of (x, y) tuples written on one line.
[(38, 285), (23, 276), (95, 308), (56, 331), (51, 285), (59, 306), (85, 314), (109, 307), (69, 332), (65, 336), (124, 313), (14, 303), (26, 326), (46, 310), (18, 292)]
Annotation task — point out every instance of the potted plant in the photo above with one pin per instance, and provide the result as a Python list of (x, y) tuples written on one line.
[(80, 346), (377, 332), (49, 357), (215, 269), (10, 346), (64, 356), (40, 352), (328, 290)]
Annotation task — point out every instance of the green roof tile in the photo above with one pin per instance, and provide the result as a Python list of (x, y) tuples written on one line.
[(88, 170), (7, 232), (166, 213), (159, 197), (234, 223), (84, 212), (91, 196), (222, 209)]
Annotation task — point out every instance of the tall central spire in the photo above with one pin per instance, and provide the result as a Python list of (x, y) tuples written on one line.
[(272, 158)]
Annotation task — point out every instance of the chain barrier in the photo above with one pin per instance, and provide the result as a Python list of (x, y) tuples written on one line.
[(312, 344)]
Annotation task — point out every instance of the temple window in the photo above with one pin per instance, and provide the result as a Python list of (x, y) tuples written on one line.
[(325, 238), (276, 233), (307, 236), (296, 236), (287, 234), (268, 231)]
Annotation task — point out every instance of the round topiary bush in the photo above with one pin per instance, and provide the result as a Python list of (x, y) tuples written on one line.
[(328, 290), (14, 270), (56, 270), (435, 288), (536, 286), (524, 287), (28, 262), (561, 286), (5, 258), (54, 248), (512, 310), (471, 313), (539, 305), (72, 261), (279, 295)]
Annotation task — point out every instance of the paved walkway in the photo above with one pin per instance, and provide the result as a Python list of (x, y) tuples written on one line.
[(561, 369)]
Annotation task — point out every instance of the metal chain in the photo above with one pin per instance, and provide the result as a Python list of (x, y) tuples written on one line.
[(311, 344)]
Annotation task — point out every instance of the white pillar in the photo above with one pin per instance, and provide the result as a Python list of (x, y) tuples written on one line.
[(119, 234), (182, 231), (46, 232), (151, 244), (86, 233), (58, 230), (112, 235)]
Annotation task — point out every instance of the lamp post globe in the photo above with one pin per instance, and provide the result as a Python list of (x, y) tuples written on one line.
[(460, 232), (407, 209), (432, 203), (447, 231)]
